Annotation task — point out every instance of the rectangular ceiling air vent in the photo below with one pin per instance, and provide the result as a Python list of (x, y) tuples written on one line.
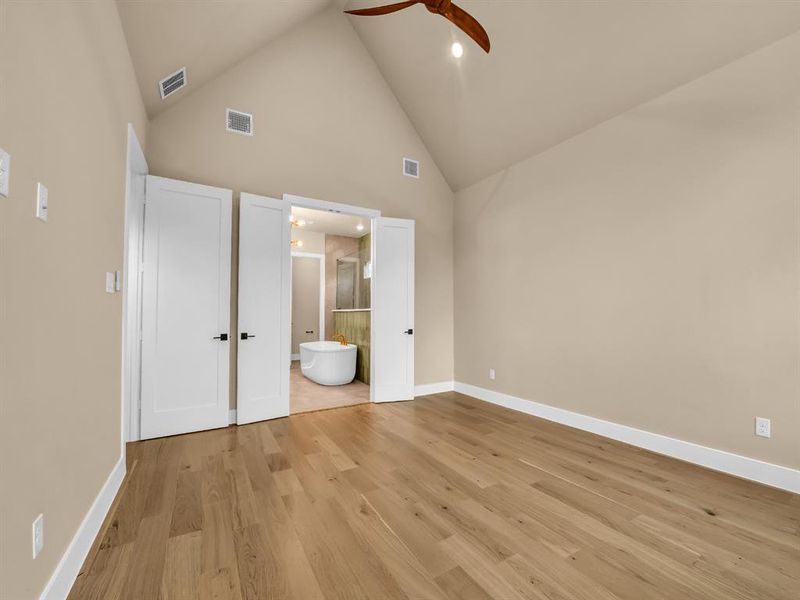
[(238, 121), (411, 168), (172, 83)]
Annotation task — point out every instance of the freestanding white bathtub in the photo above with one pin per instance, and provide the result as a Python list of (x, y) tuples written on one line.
[(328, 363)]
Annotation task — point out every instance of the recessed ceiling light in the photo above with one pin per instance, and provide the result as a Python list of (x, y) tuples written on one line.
[(360, 227), (457, 50)]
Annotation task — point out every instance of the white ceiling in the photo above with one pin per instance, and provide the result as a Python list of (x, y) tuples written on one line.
[(331, 223), (556, 68), (205, 36)]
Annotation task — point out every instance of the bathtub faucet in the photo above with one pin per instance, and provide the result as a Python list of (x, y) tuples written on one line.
[(339, 337)]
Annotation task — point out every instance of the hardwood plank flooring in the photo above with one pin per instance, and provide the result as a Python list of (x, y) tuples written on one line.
[(445, 497)]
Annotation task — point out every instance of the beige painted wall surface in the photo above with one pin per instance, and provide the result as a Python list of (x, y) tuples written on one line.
[(646, 271), (68, 93), (326, 126), (305, 300), (313, 241)]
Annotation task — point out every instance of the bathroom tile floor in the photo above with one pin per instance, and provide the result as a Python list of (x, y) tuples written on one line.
[(307, 396)]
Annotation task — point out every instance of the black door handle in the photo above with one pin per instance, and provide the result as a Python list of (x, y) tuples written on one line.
[(222, 337), (247, 336), (409, 332), (311, 331)]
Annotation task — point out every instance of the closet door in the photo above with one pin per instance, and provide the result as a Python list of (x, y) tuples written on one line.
[(185, 308), (264, 291), (393, 310)]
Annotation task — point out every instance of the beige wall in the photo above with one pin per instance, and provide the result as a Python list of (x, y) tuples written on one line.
[(313, 241), (68, 92), (305, 300), (646, 271), (326, 126)]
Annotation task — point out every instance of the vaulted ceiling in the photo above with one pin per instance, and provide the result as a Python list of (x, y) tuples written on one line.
[(205, 36), (556, 68)]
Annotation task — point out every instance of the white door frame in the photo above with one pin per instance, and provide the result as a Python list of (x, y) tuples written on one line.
[(136, 172), (359, 211), (336, 207), (321, 258)]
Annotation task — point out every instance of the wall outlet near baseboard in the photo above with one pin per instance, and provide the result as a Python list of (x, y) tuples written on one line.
[(38, 535), (491, 374), (5, 172), (763, 427)]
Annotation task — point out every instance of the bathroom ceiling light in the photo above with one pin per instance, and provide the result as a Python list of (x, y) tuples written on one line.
[(360, 227), (457, 50)]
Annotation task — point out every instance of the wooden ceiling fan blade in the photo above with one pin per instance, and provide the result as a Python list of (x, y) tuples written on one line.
[(382, 10), (467, 23)]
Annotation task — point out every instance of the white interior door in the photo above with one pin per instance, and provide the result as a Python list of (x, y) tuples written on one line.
[(185, 307), (393, 310), (264, 292)]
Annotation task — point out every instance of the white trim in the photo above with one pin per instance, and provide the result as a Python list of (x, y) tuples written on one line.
[(69, 566), (321, 326), (232, 416), (331, 206), (295, 357), (719, 460), (426, 389), (136, 166)]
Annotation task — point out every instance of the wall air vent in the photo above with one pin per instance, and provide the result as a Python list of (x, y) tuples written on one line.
[(238, 121), (172, 83), (411, 168)]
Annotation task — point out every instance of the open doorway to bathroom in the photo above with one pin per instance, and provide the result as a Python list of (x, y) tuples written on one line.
[(331, 317)]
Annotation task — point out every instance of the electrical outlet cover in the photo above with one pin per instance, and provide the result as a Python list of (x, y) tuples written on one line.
[(763, 427), (5, 172), (38, 535)]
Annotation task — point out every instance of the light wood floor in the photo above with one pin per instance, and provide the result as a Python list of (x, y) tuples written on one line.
[(307, 396), (442, 497)]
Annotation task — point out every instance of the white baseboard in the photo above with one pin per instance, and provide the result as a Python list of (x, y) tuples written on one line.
[(71, 562), (295, 357), (719, 460), (426, 389), (232, 416)]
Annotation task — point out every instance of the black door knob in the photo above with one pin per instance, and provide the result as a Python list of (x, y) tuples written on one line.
[(222, 337), (247, 336), (409, 332)]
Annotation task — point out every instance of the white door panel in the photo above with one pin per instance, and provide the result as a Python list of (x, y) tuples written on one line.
[(186, 304), (264, 292), (393, 310)]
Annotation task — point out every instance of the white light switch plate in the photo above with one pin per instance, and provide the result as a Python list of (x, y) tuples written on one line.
[(5, 172), (111, 282), (41, 202), (38, 535), (491, 374)]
